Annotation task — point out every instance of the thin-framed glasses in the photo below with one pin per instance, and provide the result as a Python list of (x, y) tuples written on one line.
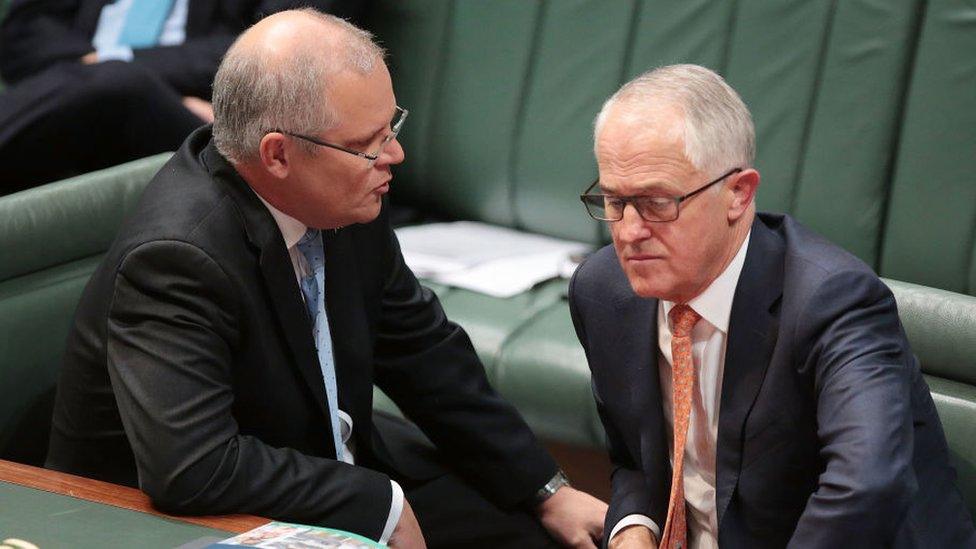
[(656, 209), (396, 124)]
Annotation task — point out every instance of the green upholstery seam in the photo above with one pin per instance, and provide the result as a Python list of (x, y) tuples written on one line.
[(51, 266), (899, 124), (517, 331), (423, 173), (812, 106), (625, 66), (971, 275), (729, 33), (518, 132)]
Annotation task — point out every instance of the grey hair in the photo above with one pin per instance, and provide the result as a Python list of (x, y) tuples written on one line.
[(255, 92), (718, 131)]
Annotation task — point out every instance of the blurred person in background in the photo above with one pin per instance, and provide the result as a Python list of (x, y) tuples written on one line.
[(94, 83)]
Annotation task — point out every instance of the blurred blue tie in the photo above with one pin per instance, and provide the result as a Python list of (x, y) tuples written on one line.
[(143, 23), (313, 287)]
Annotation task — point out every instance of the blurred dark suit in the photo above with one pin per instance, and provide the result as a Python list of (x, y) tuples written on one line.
[(60, 118)]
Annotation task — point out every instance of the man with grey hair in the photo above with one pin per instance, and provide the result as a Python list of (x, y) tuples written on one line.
[(223, 355), (755, 384)]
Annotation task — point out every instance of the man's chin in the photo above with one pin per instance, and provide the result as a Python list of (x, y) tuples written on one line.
[(369, 213), (647, 286)]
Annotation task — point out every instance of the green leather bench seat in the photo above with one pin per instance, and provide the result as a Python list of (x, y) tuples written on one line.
[(491, 321), (52, 238)]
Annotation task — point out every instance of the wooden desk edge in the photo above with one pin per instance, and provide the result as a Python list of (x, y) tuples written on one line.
[(114, 495)]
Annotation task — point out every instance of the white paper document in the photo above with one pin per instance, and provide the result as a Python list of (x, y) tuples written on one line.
[(497, 261)]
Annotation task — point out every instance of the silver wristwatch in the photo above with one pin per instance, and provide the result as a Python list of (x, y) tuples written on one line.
[(555, 483)]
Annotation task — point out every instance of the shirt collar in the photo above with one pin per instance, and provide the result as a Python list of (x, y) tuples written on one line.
[(715, 303), (292, 230)]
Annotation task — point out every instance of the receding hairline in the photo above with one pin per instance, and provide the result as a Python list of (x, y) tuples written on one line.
[(718, 127), (280, 36), (278, 74)]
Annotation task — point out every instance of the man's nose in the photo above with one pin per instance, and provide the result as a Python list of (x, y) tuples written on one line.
[(632, 227), (393, 153)]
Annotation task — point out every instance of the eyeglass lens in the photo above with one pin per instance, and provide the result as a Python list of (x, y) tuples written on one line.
[(610, 208)]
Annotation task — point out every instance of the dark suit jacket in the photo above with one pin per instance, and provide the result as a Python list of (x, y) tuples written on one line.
[(828, 436), (37, 34), (191, 368)]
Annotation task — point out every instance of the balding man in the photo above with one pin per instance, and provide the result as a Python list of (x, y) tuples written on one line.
[(223, 355), (755, 384)]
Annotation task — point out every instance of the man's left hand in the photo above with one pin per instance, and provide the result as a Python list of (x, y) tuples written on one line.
[(573, 518)]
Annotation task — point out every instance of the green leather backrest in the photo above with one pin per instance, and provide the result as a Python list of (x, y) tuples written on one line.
[(52, 238), (941, 327), (930, 237), (837, 180), (503, 96)]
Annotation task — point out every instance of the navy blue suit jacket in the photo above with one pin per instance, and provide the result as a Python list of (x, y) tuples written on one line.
[(828, 436)]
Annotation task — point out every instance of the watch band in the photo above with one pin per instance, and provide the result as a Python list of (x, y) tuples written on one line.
[(555, 483)]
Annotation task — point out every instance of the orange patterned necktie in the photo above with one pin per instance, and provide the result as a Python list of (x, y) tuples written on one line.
[(683, 319)]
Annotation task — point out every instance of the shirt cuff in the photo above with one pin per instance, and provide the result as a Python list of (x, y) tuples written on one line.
[(396, 508), (635, 519), (115, 53)]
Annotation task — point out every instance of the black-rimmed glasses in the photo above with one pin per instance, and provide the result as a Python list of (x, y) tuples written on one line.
[(396, 124), (656, 209)]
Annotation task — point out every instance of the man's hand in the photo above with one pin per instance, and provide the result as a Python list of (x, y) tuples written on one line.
[(200, 107), (634, 537), (407, 534), (573, 518), (89, 58)]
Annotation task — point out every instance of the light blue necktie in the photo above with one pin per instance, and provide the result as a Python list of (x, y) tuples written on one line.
[(143, 23), (313, 287)]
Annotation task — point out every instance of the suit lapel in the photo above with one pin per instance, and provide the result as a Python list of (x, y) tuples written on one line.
[(349, 327), (753, 328), (279, 281), (638, 347), (277, 273)]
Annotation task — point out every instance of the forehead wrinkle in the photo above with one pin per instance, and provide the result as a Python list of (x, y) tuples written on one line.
[(644, 170)]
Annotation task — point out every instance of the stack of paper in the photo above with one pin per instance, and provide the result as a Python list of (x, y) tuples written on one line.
[(497, 261)]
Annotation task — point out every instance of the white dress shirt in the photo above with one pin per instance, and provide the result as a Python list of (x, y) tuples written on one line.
[(292, 231), (708, 342)]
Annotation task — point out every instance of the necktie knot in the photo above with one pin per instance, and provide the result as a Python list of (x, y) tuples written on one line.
[(308, 239), (683, 319)]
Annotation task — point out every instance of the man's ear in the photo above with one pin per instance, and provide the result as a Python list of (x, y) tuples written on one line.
[(273, 155), (743, 186)]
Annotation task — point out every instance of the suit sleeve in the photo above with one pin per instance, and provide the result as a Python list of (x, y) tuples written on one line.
[(630, 492), (36, 34), (171, 340), (428, 366), (851, 340)]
